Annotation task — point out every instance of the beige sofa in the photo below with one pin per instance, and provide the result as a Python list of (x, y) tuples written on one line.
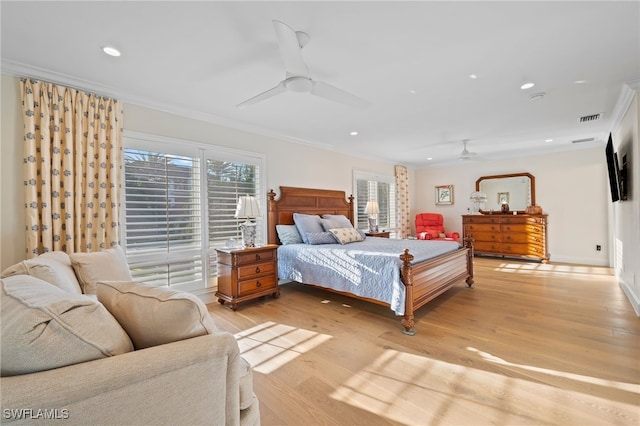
[(78, 350)]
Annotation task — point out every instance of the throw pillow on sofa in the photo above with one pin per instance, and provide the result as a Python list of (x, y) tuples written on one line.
[(44, 327), (153, 315), (53, 267), (108, 265)]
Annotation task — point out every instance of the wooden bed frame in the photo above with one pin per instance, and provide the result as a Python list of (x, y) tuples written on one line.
[(424, 281)]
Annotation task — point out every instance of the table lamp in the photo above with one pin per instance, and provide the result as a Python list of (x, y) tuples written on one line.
[(248, 208)]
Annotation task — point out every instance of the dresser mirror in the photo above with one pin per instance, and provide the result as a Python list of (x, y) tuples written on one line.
[(518, 190)]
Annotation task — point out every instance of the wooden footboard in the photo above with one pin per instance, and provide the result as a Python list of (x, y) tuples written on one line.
[(425, 281)]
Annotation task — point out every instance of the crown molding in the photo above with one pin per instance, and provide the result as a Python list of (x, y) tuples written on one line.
[(628, 91)]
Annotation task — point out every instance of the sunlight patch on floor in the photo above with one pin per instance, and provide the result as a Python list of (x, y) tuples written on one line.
[(582, 271), (270, 345), (412, 389), (627, 387)]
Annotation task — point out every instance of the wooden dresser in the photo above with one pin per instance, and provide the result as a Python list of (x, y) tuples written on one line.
[(523, 235), (244, 274)]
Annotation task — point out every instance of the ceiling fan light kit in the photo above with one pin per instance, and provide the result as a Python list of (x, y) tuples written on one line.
[(297, 78)]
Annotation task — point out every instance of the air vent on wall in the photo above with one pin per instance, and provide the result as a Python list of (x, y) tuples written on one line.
[(590, 118), (583, 140)]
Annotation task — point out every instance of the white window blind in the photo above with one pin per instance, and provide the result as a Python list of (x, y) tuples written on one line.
[(379, 188), (180, 200)]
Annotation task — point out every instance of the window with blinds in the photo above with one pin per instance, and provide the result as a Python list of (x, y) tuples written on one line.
[(180, 201), (377, 188)]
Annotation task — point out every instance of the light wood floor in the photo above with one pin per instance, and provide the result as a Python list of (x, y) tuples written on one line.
[(531, 344)]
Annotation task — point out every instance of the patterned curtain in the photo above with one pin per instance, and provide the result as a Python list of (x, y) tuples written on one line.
[(402, 184), (72, 164)]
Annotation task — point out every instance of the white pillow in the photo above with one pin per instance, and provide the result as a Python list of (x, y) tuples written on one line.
[(153, 315), (107, 265), (53, 267), (44, 327)]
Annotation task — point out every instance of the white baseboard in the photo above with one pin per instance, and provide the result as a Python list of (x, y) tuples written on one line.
[(580, 260), (633, 298)]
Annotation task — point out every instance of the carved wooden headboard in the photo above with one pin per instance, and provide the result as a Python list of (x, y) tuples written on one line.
[(304, 200)]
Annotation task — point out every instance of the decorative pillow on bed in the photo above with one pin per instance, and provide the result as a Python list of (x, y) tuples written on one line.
[(315, 238), (346, 235), (288, 234), (307, 223)]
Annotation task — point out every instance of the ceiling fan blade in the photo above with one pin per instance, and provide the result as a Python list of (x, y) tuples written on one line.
[(332, 93), (290, 49), (264, 95)]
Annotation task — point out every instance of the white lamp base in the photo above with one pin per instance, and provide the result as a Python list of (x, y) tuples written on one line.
[(373, 224), (248, 234)]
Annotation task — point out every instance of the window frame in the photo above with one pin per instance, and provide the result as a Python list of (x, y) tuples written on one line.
[(202, 152)]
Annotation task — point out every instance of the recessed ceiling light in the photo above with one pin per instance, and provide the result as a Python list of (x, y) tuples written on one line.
[(579, 81), (527, 85), (413, 92), (548, 140), (111, 51), (354, 133), (473, 76), (429, 158)]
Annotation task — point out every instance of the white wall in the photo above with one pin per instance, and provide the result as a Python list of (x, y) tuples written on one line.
[(288, 164), (626, 214), (571, 187)]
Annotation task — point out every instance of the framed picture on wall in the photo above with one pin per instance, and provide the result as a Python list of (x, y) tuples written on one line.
[(444, 195)]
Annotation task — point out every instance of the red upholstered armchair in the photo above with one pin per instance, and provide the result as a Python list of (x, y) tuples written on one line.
[(430, 226)]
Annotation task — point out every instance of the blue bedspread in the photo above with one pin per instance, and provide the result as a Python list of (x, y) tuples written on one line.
[(370, 268)]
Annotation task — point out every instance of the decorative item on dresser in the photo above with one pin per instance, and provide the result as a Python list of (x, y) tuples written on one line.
[(245, 274), (508, 235)]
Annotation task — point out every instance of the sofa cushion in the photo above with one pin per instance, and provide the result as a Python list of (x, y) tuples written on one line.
[(44, 327), (155, 315), (108, 265), (53, 267), (246, 384)]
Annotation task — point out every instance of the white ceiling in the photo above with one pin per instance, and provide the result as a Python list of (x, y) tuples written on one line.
[(202, 58)]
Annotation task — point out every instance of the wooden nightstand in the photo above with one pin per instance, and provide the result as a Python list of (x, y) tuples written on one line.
[(245, 274), (381, 234)]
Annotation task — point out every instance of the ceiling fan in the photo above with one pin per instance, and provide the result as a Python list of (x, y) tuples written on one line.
[(466, 154), (297, 78)]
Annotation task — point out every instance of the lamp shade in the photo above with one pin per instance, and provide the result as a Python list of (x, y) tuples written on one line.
[(372, 207), (247, 207)]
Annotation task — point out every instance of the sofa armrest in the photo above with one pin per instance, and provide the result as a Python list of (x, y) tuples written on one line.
[(454, 235), (192, 381)]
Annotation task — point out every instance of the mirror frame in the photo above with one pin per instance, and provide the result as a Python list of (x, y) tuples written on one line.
[(532, 187)]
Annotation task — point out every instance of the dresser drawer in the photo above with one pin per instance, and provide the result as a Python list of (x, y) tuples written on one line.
[(534, 250), (481, 219), (487, 247), (522, 227), (253, 257), (258, 284), (256, 269), (481, 227), (523, 219), (482, 236), (519, 237)]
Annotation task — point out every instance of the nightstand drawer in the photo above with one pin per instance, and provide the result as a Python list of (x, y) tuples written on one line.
[(255, 256), (259, 284), (249, 271)]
